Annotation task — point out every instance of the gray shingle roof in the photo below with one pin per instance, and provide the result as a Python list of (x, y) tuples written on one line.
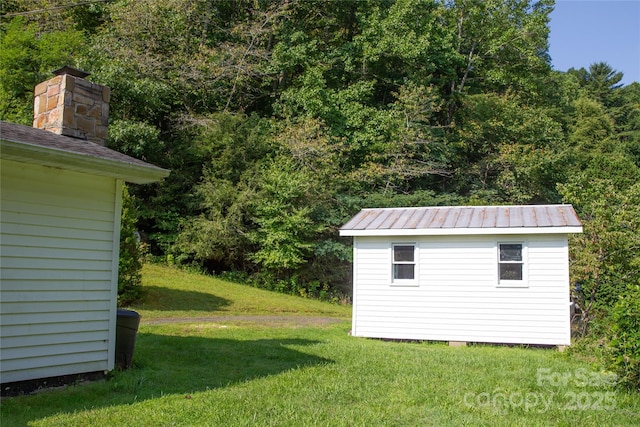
[(463, 220), (19, 140)]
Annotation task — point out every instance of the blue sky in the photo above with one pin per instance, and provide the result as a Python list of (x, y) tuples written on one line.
[(588, 31)]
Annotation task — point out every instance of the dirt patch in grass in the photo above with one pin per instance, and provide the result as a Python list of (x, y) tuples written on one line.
[(266, 321)]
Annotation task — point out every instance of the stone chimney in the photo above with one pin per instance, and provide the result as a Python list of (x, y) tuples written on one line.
[(69, 105)]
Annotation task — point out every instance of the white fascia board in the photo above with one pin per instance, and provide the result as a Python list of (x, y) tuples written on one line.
[(46, 156), (461, 231)]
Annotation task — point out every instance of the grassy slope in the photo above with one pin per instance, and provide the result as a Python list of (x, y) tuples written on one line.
[(230, 374), (176, 293)]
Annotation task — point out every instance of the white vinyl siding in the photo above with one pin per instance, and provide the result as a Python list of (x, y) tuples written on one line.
[(457, 298), (57, 231)]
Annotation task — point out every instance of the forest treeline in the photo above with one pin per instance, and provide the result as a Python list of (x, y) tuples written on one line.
[(280, 119)]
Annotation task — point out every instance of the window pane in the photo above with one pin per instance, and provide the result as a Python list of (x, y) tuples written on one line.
[(510, 271), (511, 252), (403, 271), (403, 253)]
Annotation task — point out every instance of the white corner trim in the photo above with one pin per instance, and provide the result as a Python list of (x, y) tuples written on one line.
[(115, 261)]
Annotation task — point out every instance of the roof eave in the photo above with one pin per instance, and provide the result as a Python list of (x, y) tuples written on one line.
[(47, 156), (461, 231)]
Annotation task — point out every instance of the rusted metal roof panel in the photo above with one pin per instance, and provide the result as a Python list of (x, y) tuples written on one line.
[(465, 217)]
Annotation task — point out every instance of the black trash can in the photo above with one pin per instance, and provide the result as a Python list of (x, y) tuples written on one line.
[(126, 329)]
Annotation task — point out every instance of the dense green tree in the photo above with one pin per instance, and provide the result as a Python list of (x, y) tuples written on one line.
[(59, 15), (283, 217), (26, 59), (499, 46), (510, 148), (626, 115), (600, 81), (606, 256), (234, 147), (593, 126)]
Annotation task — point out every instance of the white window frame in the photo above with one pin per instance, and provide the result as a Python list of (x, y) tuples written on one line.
[(524, 283), (405, 282)]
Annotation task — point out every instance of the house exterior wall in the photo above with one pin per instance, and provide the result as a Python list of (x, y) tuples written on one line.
[(456, 295), (59, 231)]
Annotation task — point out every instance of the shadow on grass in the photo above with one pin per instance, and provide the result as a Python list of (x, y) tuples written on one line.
[(165, 365), (190, 364), (160, 298)]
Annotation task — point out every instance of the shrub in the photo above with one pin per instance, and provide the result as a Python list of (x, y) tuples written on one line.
[(130, 262), (625, 344), (294, 285)]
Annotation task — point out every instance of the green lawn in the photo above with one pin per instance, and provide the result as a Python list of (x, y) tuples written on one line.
[(230, 373), (175, 293)]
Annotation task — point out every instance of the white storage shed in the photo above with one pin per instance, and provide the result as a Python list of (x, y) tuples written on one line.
[(492, 274), (59, 232)]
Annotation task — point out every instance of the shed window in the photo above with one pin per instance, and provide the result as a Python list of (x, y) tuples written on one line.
[(404, 264), (511, 263)]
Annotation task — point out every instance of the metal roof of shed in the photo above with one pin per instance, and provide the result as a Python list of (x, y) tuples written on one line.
[(459, 220)]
